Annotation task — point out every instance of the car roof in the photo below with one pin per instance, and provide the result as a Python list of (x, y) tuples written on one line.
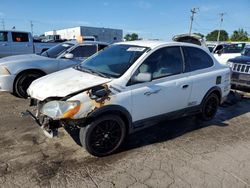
[(86, 42), (155, 43)]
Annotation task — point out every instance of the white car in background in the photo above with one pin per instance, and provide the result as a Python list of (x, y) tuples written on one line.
[(225, 51), (128, 86), (18, 72)]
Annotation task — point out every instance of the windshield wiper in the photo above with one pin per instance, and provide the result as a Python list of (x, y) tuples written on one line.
[(98, 73), (78, 67)]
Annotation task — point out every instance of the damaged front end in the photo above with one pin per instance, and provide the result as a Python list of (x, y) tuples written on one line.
[(73, 109)]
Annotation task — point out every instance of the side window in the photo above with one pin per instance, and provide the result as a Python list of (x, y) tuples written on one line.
[(196, 59), (101, 46), (84, 51), (3, 36), (163, 62), (20, 37)]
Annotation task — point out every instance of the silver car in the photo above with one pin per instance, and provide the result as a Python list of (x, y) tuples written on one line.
[(18, 72)]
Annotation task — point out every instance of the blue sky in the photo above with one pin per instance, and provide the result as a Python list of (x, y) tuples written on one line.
[(149, 18)]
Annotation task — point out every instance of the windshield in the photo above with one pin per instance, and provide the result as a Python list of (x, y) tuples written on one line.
[(113, 61), (57, 50), (246, 52)]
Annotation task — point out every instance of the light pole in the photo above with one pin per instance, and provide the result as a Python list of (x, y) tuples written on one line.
[(193, 11)]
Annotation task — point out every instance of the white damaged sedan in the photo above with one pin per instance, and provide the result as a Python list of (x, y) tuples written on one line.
[(128, 86)]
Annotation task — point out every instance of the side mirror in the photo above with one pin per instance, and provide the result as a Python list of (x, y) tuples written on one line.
[(142, 77), (219, 52), (69, 56)]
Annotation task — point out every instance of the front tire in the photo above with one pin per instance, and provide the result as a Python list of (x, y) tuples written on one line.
[(103, 136), (210, 107), (23, 82)]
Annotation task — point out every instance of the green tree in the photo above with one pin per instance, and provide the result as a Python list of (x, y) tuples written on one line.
[(214, 34), (239, 35), (131, 37)]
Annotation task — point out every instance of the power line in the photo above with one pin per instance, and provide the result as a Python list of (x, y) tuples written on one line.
[(221, 20), (193, 11)]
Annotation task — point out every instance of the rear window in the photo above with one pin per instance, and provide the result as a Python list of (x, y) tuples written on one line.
[(196, 59), (20, 37)]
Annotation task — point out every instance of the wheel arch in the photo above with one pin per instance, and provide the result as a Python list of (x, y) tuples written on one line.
[(113, 109), (27, 71), (216, 90)]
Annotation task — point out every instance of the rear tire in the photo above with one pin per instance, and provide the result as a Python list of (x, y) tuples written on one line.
[(209, 107), (103, 136), (23, 82)]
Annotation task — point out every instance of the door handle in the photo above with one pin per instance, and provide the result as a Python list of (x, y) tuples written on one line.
[(4, 44), (148, 93), (185, 86)]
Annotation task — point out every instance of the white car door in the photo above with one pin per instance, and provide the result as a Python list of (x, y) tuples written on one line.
[(80, 53), (21, 43), (200, 65), (5, 49), (169, 89)]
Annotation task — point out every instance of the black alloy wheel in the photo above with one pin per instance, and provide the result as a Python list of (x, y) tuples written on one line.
[(104, 136), (210, 107), (23, 82)]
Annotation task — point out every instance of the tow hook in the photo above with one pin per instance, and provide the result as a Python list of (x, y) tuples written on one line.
[(49, 127)]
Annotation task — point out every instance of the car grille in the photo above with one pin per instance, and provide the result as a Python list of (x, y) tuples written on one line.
[(241, 68)]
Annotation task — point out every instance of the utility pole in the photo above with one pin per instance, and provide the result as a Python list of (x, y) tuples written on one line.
[(193, 11), (221, 20), (31, 27), (3, 24)]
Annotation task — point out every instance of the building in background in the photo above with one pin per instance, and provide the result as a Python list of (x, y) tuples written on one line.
[(90, 33)]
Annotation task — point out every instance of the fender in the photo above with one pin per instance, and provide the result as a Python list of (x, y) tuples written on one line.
[(215, 88), (114, 109)]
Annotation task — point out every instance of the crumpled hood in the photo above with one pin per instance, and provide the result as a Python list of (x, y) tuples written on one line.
[(63, 83), (21, 58)]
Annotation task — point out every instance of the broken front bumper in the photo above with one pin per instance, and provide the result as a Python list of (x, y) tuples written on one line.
[(50, 128)]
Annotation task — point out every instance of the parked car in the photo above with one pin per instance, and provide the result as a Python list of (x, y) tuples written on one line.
[(225, 51), (19, 42), (192, 39), (17, 72), (241, 69), (128, 86)]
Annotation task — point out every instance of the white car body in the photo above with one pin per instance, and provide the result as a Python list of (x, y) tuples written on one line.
[(223, 58), (66, 82), (15, 66), (19, 42), (138, 102)]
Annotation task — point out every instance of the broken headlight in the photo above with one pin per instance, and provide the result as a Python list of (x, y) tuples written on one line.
[(61, 109)]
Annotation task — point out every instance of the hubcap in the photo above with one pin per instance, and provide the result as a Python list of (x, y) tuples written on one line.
[(105, 136)]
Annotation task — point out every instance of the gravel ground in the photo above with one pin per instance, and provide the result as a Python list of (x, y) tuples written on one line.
[(177, 153)]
